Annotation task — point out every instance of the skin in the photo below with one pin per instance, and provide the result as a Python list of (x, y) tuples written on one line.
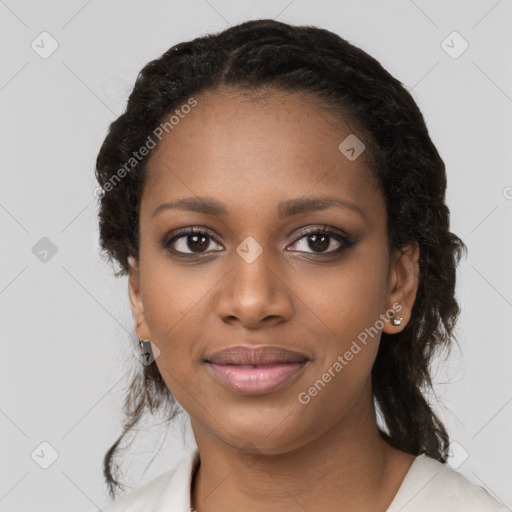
[(270, 451)]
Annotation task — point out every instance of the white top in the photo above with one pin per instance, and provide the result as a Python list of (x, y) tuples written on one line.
[(428, 486)]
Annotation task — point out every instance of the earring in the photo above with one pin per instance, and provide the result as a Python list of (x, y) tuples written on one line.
[(396, 321), (141, 342)]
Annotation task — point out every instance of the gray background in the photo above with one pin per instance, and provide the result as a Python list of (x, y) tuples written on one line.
[(65, 324)]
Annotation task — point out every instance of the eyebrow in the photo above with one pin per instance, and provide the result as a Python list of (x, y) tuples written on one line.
[(288, 208)]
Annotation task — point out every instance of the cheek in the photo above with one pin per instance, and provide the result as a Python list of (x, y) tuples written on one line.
[(175, 300), (344, 307), (172, 292), (346, 298)]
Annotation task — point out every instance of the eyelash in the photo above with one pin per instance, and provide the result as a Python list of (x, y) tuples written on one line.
[(343, 239)]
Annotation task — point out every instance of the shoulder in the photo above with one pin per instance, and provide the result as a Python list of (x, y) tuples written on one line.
[(432, 486), (170, 490), (146, 494)]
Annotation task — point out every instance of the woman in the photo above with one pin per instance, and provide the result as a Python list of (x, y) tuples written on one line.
[(273, 196)]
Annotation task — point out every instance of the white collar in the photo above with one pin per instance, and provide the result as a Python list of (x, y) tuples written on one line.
[(176, 494)]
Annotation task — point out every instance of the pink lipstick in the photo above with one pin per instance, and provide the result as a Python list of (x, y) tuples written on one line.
[(255, 370)]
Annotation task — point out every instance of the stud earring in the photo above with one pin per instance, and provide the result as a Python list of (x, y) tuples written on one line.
[(396, 321)]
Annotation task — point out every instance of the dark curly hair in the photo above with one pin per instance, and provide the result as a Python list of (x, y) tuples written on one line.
[(267, 54)]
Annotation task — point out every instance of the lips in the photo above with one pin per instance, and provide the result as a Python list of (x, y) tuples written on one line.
[(244, 355), (255, 370)]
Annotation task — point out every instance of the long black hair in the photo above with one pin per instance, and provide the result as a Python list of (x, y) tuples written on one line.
[(406, 165)]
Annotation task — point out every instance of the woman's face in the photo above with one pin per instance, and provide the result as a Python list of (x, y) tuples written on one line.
[(259, 176)]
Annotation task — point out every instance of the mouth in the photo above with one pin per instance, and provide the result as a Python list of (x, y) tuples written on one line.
[(262, 355), (255, 370)]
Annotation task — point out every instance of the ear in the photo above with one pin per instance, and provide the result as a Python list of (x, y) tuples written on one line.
[(136, 303), (403, 284)]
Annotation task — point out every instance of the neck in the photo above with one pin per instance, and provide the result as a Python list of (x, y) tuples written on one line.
[(348, 467)]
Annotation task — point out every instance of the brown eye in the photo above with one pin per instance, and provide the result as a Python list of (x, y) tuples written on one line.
[(192, 241), (318, 241)]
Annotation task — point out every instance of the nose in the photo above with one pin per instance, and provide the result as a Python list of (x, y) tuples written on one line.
[(254, 295)]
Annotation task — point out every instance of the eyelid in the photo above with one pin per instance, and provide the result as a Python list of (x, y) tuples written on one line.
[(184, 232), (323, 228), (339, 235)]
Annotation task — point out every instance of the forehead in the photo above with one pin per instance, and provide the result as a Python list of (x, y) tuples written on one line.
[(242, 146)]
